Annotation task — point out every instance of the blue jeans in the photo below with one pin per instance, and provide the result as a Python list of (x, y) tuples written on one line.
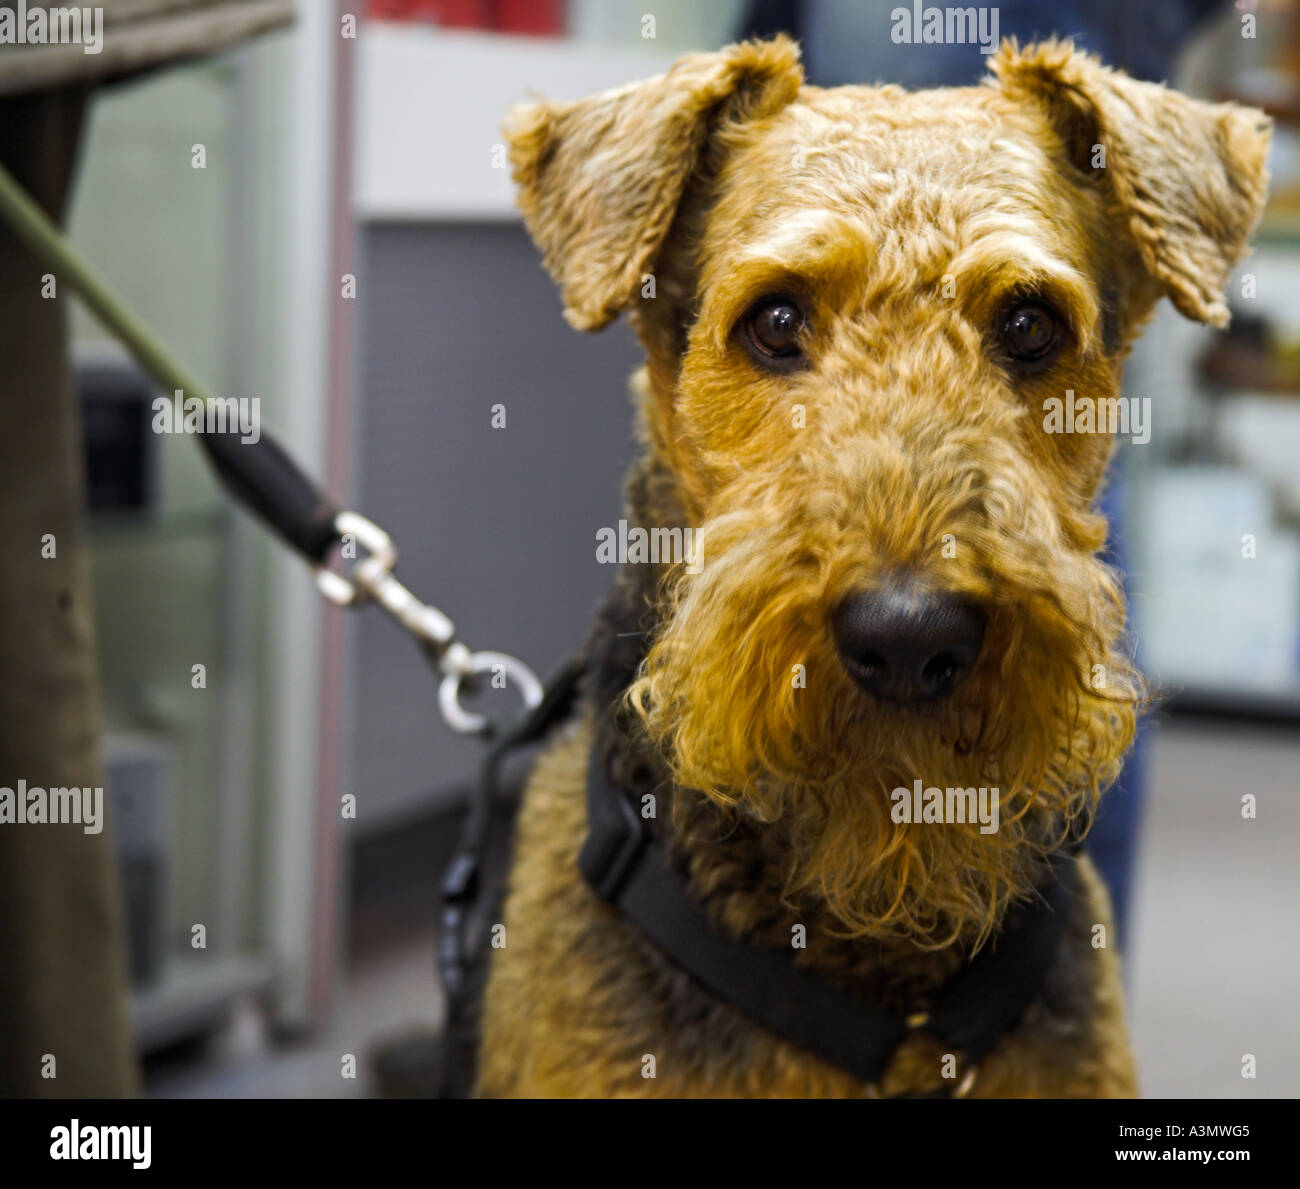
[(1113, 840)]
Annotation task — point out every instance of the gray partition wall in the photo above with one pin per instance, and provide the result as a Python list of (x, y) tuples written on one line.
[(495, 526)]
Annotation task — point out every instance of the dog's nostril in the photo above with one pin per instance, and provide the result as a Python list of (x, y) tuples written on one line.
[(940, 670), (871, 660), (907, 643)]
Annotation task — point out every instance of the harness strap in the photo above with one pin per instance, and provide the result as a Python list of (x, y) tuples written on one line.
[(627, 867), (986, 998), (460, 881), (462, 965)]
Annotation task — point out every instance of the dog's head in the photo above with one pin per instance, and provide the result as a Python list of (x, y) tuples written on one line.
[(872, 321)]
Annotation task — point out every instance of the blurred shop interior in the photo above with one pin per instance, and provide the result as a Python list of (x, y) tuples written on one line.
[(374, 160)]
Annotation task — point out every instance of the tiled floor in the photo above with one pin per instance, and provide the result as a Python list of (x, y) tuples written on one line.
[(1215, 973)]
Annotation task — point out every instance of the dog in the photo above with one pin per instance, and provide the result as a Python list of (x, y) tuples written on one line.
[(856, 305)]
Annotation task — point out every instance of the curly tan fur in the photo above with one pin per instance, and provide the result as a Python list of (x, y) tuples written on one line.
[(904, 222)]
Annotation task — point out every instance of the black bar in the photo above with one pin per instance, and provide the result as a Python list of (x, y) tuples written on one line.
[(411, 1142)]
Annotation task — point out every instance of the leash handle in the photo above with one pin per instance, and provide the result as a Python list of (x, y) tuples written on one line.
[(263, 477)]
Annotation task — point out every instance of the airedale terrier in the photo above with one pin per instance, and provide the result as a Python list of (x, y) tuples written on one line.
[(855, 304)]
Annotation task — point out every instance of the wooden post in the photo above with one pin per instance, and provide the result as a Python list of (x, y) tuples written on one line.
[(63, 987)]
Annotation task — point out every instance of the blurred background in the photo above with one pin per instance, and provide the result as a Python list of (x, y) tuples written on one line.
[(349, 254)]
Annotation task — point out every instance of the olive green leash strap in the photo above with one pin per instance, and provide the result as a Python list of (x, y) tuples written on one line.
[(48, 244)]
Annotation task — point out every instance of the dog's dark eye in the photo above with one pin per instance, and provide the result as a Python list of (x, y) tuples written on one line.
[(771, 330), (1031, 332)]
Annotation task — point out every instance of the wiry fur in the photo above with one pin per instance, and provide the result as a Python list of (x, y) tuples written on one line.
[(905, 222)]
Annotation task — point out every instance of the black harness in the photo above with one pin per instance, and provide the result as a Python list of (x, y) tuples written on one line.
[(628, 868)]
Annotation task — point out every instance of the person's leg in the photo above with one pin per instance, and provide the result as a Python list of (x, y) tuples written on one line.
[(1112, 842)]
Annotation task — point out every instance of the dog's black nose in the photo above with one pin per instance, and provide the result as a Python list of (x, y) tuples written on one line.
[(907, 643)]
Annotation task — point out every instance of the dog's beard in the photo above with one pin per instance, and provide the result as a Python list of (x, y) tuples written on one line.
[(749, 705)]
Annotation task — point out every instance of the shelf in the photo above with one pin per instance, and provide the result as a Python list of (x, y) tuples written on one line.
[(193, 996), (150, 527)]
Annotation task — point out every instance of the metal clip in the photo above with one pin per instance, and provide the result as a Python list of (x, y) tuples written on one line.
[(458, 664), (372, 580)]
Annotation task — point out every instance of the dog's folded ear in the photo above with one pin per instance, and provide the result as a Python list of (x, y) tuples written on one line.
[(1186, 178), (600, 178)]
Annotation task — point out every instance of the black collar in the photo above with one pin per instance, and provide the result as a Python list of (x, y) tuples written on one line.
[(627, 867)]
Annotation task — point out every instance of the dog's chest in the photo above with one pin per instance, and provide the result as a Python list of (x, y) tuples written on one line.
[(578, 1003)]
